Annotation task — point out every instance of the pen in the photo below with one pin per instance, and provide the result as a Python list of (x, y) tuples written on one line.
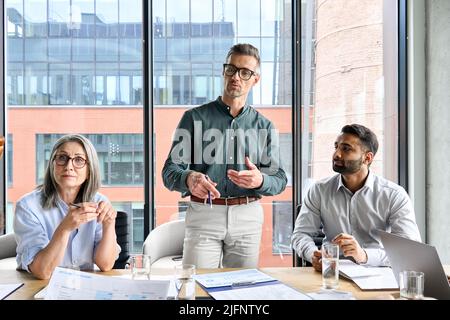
[(209, 193), (242, 283)]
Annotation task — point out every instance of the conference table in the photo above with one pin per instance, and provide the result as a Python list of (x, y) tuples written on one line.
[(304, 279)]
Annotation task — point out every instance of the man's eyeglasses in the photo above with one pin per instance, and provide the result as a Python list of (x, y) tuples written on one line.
[(244, 73), (62, 160)]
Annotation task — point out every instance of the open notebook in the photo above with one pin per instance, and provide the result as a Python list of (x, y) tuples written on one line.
[(368, 278)]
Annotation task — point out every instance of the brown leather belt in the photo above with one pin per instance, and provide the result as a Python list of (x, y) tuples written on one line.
[(227, 201)]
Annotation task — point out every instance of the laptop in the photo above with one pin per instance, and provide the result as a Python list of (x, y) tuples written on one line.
[(405, 254)]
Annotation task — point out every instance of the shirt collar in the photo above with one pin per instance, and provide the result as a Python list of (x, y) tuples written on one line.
[(226, 108), (368, 184)]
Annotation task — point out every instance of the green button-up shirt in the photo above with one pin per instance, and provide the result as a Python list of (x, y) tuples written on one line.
[(210, 140)]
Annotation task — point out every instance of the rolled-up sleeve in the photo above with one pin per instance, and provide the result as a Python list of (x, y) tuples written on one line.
[(30, 236)]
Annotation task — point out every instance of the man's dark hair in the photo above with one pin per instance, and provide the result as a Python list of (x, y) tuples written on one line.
[(245, 49), (366, 136)]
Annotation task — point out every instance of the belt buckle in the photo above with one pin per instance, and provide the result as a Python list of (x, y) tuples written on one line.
[(226, 201), (247, 199)]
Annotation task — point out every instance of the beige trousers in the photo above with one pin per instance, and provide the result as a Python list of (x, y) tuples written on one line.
[(223, 236)]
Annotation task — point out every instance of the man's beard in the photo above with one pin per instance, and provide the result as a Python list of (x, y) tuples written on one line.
[(349, 166)]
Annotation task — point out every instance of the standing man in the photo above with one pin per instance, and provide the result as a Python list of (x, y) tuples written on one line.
[(225, 156), (353, 204)]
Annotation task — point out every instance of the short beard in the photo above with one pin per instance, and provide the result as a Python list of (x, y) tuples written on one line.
[(349, 167)]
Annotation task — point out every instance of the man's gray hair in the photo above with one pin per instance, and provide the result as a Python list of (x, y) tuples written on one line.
[(245, 49), (88, 189)]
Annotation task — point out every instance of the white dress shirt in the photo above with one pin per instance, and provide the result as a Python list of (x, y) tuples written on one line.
[(34, 227), (379, 204)]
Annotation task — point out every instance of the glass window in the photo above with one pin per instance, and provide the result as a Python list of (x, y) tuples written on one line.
[(344, 81), (59, 18), (120, 157), (83, 81), (35, 18), (15, 84), (83, 49), (60, 84), (63, 70), (83, 19), (35, 49), (130, 18), (36, 85), (249, 18), (107, 22), (9, 159), (282, 227), (59, 50), (188, 73)]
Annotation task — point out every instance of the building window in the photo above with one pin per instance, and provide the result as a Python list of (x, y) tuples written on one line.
[(286, 155), (282, 227), (120, 157), (9, 159)]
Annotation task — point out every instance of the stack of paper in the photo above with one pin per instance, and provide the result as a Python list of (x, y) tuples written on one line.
[(368, 278), (68, 284), (7, 289), (250, 284)]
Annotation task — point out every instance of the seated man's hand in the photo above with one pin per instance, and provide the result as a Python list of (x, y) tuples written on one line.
[(317, 260), (350, 247)]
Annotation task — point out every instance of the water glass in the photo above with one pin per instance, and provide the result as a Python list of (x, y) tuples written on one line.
[(184, 282), (330, 266), (140, 267), (411, 284)]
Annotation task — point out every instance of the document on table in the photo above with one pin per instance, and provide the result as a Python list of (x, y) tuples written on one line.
[(171, 294), (69, 284), (368, 278), (227, 279), (7, 289), (271, 291)]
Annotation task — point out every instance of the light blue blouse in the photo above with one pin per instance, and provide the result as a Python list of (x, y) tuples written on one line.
[(34, 227)]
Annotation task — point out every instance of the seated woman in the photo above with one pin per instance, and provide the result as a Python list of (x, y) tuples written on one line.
[(65, 221)]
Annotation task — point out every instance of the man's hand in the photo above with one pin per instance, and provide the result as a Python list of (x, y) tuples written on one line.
[(248, 179), (199, 186), (350, 247), (317, 260), (106, 213)]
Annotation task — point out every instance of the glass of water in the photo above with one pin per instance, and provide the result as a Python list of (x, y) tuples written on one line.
[(140, 267), (411, 284), (330, 265), (184, 281)]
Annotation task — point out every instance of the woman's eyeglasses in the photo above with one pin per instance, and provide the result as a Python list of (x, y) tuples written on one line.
[(62, 160), (244, 73)]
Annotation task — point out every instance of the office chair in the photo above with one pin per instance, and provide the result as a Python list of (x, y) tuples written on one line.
[(122, 239), (8, 247), (318, 239), (164, 244)]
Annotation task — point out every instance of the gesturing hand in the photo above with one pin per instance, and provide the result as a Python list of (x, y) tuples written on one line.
[(199, 186), (248, 179)]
